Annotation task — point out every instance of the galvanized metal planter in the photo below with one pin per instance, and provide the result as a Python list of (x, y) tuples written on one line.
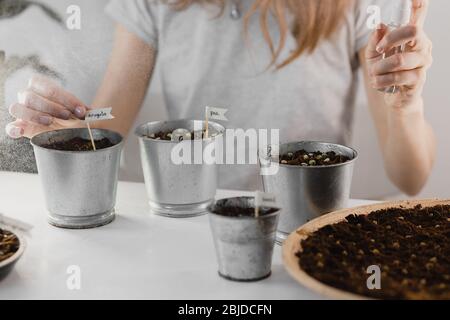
[(79, 186), (177, 190), (306, 193), (244, 245)]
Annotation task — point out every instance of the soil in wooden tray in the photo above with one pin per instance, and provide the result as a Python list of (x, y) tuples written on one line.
[(410, 246), (9, 244), (79, 144), (312, 159)]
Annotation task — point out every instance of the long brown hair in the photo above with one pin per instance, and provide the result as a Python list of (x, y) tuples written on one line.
[(313, 21)]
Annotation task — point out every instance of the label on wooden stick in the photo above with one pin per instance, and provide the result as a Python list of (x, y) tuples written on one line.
[(265, 200), (216, 113), (99, 114)]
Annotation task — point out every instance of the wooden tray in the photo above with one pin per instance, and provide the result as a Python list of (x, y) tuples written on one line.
[(292, 244)]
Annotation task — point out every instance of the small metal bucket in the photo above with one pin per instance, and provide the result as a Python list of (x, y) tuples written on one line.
[(79, 186), (244, 244), (177, 190), (306, 193)]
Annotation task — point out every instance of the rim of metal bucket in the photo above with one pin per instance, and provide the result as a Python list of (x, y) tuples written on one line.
[(287, 166), (220, 128), (16, 256), (276, 212), (118, 145)]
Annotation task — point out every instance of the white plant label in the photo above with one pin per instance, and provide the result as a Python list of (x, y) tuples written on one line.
[(216, 113), (99, 115), (265, 200)]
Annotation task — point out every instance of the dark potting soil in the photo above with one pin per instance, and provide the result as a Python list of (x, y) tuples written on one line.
[(312, 159), (9, 244), (167, 135), (79, 144), (234, 207), (410, 246)]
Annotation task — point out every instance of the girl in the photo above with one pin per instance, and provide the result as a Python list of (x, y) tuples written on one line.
[(285, 64)]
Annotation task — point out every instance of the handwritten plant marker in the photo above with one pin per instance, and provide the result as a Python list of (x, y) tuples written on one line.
[(214, 114), (264, 200), (97, 115)]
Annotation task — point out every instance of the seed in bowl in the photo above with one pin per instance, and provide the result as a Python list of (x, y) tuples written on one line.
[(9, 244)]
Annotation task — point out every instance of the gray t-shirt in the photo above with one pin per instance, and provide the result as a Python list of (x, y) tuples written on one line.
[(207, 60)]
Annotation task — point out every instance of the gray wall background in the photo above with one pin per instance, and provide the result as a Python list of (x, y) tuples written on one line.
[(81, 56)]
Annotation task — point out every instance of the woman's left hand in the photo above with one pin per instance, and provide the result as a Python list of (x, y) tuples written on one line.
[(406, 71)]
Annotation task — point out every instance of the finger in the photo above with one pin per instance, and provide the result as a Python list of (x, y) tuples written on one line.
[(399, 62), (375, 38), (398, 37), (402, 78), (19, 111), (419, 12), (36, 102), (55, 93), (25, 128), (14, 130)]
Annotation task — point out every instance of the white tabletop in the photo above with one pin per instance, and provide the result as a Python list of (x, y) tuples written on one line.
[(138, 256)]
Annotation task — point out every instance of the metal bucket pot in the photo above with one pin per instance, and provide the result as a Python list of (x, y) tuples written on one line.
[(79, 186), (244, 244), (177, 190), (306, 193)]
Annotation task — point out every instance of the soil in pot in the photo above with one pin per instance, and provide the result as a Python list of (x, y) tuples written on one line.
[(79, 144), (312, 159), (167, 135), (236, 208), (410, 246), (9, 244)]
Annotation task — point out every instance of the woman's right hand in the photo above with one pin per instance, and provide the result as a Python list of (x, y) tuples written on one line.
[(44, 106)]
